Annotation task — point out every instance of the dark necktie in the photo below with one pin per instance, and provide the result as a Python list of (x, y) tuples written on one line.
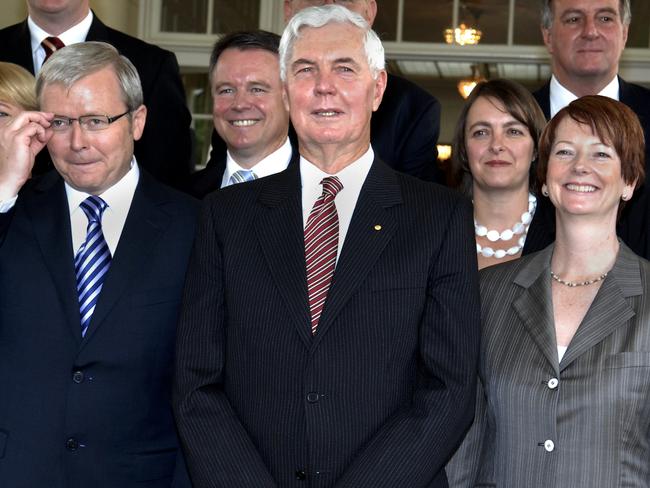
[(321, 246), (92, 260), (51, 44)]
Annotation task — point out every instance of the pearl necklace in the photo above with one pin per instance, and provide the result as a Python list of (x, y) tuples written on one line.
[(578, 283), (520, 227)]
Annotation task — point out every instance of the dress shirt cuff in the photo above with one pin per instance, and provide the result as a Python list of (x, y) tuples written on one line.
[(6, 205)]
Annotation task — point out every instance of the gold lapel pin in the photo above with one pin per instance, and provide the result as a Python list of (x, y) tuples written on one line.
[(377, 227)]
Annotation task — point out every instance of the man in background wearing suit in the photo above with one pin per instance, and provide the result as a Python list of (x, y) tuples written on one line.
[(248, 111), (165, 147), (330, 316), (585, 39), (92, 262)]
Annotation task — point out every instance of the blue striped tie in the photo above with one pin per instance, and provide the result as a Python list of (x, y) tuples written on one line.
[(92, 260), (242, 176)]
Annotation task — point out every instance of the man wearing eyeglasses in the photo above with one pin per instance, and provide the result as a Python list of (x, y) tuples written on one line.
[(92, 263), (165, 146)]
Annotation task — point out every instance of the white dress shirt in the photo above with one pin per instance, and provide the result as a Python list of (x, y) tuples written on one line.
[(560, 97), (118, 197), (352, 177), (76, 33), (275, 162)]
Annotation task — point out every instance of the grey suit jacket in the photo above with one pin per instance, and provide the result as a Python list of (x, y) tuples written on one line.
[(583, 422)]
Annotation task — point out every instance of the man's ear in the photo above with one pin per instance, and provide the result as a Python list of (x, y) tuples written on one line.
[(380, 88), (546, 35), (138, 119)]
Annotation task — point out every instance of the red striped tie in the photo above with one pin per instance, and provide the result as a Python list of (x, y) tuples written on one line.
[(321, 246), (51, 44)]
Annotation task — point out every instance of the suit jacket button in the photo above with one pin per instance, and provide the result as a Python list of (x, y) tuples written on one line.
[(301, 475), (71, 444), (312, 397), (78, 376)]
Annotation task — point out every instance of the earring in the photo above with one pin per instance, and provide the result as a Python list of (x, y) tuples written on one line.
[(544, 190), (624, 197)]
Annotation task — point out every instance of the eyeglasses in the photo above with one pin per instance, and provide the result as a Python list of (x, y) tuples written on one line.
[(90, 123)]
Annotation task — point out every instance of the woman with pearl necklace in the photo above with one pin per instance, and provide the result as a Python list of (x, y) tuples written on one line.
[(494, 148)]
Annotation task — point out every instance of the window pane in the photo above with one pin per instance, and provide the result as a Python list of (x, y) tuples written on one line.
[(202, 130), (197, 91), (232, 16), (199, 102), (527, 22), (422, 23), (184, 16), (489, 16), (638, 34), (386, 21)]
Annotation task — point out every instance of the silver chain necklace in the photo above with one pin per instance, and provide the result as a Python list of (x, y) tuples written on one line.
[(573, 284)]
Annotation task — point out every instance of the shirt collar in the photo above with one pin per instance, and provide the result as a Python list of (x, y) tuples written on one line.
[(76, 33), (266, 166), (118, 197), (352, 176), (560, 97)]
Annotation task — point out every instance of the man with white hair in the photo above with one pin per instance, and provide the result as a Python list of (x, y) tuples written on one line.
[(328, 335), (404, 129)]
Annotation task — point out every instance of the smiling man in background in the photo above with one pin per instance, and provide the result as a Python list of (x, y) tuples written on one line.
[(248, 111)]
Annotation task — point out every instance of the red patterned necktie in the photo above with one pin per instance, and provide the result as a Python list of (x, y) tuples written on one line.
[(321, 246), (51, 44)]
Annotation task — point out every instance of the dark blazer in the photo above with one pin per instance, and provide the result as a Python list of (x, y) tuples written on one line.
[(403, 131), (165, 147), (209, 178), (593, 406), (541, 232), (93, 412), (382, 394), (633, 225)]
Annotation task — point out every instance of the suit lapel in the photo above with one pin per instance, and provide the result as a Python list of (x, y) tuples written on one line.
[(624, 94), (19, 48), (144, 226), (50, 216), (279, 230), (610, 308), (543, 97), (363, 243), (534, 306), (97, 31)]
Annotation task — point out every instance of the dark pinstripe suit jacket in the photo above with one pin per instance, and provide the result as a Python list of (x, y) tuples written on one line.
[(383, 393), (597, 414), (92, 412)]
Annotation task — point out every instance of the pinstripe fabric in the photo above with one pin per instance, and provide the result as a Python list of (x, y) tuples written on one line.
[(598, 414), (110, 391), (381, 395)]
